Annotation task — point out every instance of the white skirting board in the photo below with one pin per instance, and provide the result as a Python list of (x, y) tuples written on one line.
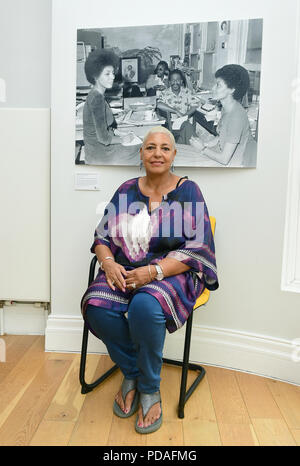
[(23, 319), (258, 354)]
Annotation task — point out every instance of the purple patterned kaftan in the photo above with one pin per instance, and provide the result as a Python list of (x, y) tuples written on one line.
[(139, 237)]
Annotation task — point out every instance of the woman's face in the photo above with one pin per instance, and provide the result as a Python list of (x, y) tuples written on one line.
[(160, 71), (220, 90), (176, 82), (106, 77), (157, 153)]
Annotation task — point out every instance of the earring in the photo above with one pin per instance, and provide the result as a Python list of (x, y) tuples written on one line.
[(172, 167), (141, 165)]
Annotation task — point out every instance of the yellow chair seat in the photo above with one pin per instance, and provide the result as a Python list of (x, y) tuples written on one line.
[(203, 298)]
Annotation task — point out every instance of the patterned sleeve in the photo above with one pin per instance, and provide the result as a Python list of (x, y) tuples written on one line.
[(197, 249), (163, 97)]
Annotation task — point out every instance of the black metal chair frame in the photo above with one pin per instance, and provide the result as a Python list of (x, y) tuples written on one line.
[(184, 364)]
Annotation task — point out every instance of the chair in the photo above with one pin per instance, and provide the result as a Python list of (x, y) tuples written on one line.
[(185, 364)]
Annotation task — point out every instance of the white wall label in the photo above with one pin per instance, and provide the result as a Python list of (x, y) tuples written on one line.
[(87, 181)]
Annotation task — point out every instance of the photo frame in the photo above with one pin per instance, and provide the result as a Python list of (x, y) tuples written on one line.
[(224, 28), (130, 69), (197, 137), (174, 61)]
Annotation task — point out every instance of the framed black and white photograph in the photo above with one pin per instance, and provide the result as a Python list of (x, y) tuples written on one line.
[(200, 80), (129, 67), (224, 28)]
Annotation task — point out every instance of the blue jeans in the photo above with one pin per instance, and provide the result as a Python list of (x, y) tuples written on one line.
[(134, 343)]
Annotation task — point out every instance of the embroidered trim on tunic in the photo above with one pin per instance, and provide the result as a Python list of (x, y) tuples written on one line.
[(101, 238), (198, 257), (104, 294), (196, 282)]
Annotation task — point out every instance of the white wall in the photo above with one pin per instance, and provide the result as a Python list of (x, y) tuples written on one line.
[(25, 42), (291, 251), (249, 323)]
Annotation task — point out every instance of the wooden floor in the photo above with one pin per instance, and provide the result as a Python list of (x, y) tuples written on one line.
[(41, 404)]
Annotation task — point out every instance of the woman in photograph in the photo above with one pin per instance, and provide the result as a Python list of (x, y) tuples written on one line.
[(101, 144), (177, 98), (158, 82), (147, 262), (234, 145)]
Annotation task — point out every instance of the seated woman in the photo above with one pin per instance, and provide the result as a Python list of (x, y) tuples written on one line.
[(158, 82), (234, 145), (101, 144), (177, 98), (147, 262)]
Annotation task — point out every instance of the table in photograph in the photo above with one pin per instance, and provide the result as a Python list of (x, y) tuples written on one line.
[(138, 124), (134, 122)]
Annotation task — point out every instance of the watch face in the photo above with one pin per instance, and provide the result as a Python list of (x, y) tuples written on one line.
[(159, 275)]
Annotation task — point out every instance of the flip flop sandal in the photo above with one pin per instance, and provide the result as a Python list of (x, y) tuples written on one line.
[(127, 386), (147, 401)]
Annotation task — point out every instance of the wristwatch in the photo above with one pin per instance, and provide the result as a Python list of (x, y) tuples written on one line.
[(159, 271)]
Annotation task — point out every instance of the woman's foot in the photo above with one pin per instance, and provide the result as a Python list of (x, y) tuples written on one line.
[(149, 418), (125, 407), (127, 399), (152, 415)]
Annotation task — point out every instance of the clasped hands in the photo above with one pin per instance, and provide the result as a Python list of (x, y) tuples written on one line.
[(117, 276)]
